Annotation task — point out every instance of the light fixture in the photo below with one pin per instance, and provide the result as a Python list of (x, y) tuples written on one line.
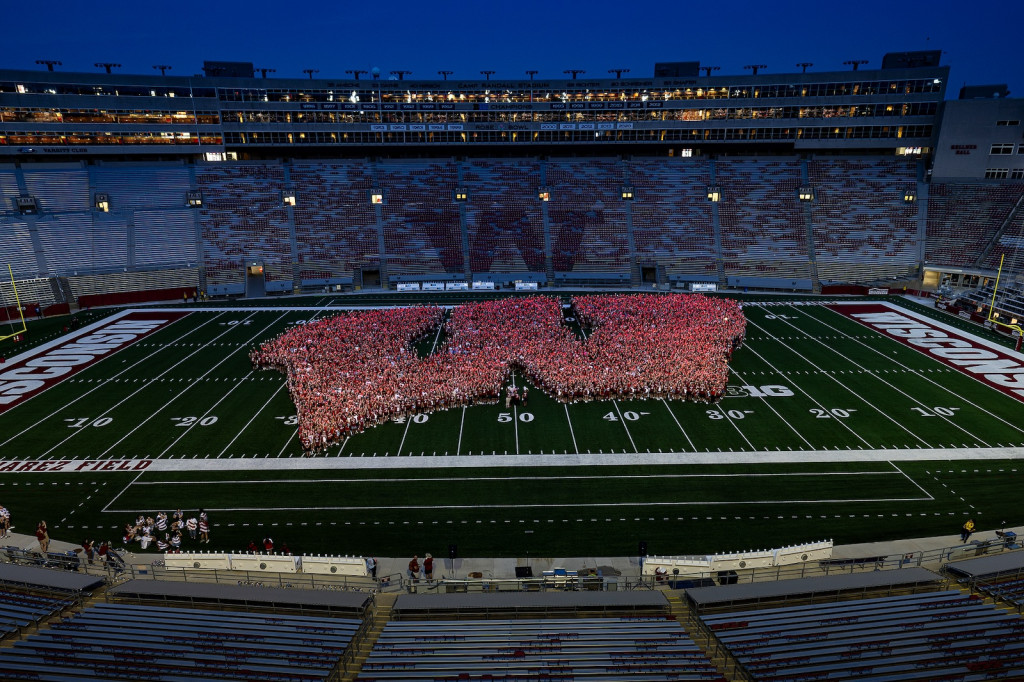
[(714, 194), (102, 202), (805, 193)]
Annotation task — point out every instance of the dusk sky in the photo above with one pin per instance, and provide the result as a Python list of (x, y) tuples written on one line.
[(980, 41)]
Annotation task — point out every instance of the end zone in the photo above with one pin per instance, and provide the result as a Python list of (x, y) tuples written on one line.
[(989, 363), (38, 369)]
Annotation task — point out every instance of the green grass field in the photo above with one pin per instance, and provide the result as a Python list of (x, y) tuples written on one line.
[(809, 386)]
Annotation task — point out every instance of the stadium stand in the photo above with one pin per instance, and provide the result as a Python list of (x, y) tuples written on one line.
[(504, 221), (133, 642), (335, 224), (422, 232), (964, 217), (20, 610), (587, 216), (764, 232), (929, 636), (243, 218), (863, 228), (575, 648), (672, 221)]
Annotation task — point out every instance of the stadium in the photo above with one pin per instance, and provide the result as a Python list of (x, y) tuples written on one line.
[(768, 325)]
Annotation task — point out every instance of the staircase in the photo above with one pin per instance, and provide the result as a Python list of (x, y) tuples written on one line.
[(718, 656), (363, 645)]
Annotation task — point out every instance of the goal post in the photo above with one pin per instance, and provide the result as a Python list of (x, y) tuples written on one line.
[(993, 316), (17, 304)]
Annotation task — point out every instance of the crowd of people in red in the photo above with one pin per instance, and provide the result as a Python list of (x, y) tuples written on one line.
[(353, 371)]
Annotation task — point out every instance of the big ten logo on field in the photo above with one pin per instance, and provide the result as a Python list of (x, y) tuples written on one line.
[(40, 368), (770, 391)]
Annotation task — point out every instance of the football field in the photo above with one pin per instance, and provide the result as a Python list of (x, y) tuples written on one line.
[(830, 429)]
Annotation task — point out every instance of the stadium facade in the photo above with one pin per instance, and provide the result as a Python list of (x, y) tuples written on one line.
[(118, 187)]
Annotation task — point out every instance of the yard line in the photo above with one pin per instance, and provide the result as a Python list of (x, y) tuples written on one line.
[(917, 372), (106, 507), (190, 385), (769, 406), (876, 376), (750, 347), (206, 414), (571, 432), (283, 447), (623, 420), (437, 335), (458, 447), (101, 385), (515, 423), (912, 481), (343, 444), (256, 414), (408, 420), (665, 403)]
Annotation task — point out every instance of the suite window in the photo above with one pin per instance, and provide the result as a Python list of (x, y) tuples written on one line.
[(997, 173), (1005, 148)]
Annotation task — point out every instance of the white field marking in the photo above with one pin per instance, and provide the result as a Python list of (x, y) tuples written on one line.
[(437, 335), (585, 460), (283, 447), (144, 386), (623, 420), (515, 424), (725, 413), (913, 481), (876, 376), (408, 420), (462, 422), (845, 387), (664, 402), (109, 379), (255, 414), (343, 444), (206, 414), (190, 384), (769, 406), (574, 505), (451, 479), (106, 507), (917, 372), (796, 385), (571, 432)]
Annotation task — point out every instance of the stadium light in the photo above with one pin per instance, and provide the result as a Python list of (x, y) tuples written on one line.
[(618, 72), (531, 73), (401, 73), (107, 65), (755, 67), (264, 72), (805, 193), (445, 74), (50, 63), (486, 74), (708, 69), (627, 193), (910, 195), (163, 68), (855, 63), (574, 72), (714, 194), (804, 66), (310, 72)]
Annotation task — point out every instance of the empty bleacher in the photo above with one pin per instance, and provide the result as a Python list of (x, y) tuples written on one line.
[(864, 230), (964, 217), (504, 221), (422, 232), (335, 224), (587, 216), (134, 642), (20, 609), (672, 223), (530, 649), (930, 636), (243, 217), (764, 233)]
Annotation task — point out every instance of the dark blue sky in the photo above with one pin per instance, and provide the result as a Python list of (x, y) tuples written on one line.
[(980, 39)]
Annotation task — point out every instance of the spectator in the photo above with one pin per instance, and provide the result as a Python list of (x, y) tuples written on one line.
[(371, 566), (414, 569), (967, 530), (428, 567), (268, 544), (87, 549), (43, 537)]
